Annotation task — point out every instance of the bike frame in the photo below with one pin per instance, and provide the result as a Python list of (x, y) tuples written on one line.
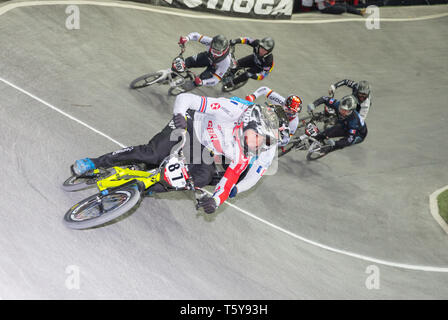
[(124, 175), (162, 175), (168, 75)]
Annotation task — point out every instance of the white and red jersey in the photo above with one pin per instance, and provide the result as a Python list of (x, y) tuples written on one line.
[(220, 68), (216, 125), (276, 98)]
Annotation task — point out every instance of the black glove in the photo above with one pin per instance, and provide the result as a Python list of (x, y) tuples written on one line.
[(234, 41), (208, 203), (179, 121)]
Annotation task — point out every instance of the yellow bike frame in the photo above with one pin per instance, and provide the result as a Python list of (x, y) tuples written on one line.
[(124, 175)]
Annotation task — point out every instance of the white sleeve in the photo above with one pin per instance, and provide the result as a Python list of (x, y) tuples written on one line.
[(275, 98), (256, 171), (270, 94), (364, 109), (196, 36), (220, 108), (293, 124), (262, 91)]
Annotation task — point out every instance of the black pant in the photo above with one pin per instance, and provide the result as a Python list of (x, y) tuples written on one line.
[(199, 61), (339, 130), (247, 62), (158, 148)]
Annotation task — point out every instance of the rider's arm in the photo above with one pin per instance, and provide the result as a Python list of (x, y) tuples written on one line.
[(230, 178), (355, 125), (276, 98), (365, 108), (196, 36), (267, 69), (222, 108), (293, 124), (256, 171), (328, 101), (244, 40), (346, 82), (262, 91), (270, 94)]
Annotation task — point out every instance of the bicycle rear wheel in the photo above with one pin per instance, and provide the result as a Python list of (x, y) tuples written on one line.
[(146, 80), (101, 208)]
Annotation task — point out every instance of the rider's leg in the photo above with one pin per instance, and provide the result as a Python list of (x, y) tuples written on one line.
[(202, 175), (198, 61), (349, 140), (335, 131), (246, 62), (153, 153), (208, 73)]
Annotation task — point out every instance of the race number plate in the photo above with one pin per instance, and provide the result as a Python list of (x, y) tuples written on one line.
[(175, 173)]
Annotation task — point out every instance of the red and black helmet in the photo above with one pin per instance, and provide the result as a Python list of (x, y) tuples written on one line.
[(293, 104)]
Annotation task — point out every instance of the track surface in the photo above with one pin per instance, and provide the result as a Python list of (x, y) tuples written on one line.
[(371, 199)]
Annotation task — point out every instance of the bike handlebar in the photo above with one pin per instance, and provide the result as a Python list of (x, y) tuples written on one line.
[(182, 48)]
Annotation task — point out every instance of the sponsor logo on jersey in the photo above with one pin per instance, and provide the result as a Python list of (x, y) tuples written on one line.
[(276, 99), (122, 150), (211, 131), (215, 106)]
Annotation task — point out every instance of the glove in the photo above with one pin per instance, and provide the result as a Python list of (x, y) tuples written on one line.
[(183, 40), (250, 98), (311, 107), (332, 90), (233, 192), (208, 203), (197, 81), (179, 121), (234, 41)]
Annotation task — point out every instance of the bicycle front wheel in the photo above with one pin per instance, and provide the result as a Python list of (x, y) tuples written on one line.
[(146, 80), (101, 208), (316, 151)]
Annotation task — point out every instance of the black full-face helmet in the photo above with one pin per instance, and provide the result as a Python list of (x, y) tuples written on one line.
[(267, 44), (219, 48), (362, 90)]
